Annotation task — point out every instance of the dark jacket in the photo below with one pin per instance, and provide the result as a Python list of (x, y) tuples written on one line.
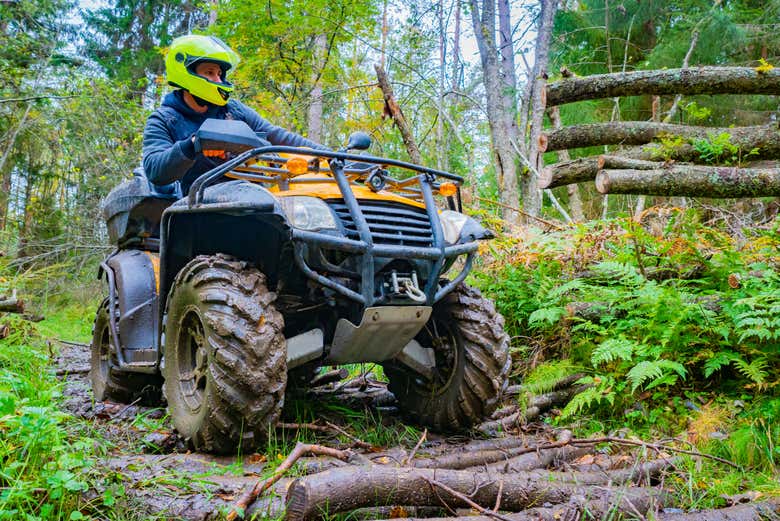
[(168, 151)]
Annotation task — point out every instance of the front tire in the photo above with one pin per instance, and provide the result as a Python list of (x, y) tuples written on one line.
[(472, 364), (224, 355)]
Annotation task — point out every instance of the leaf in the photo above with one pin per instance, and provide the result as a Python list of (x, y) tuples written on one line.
[(652, 370), (548, 316), (612, 349)]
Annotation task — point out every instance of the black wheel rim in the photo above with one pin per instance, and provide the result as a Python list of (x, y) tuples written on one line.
[(443, 338), (192, 362)]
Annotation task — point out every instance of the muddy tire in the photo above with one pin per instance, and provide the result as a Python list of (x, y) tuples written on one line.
[(472, 364), (108, 382), (224, 355)]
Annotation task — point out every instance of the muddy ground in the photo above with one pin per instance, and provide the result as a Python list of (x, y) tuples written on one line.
[(525, 470)]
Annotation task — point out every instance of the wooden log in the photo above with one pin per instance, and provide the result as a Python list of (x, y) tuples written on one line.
[(329, 377), (349, 488), (764, 137), (701, 80), (12, 305), (692, 181), (762, 510), (598, 504)]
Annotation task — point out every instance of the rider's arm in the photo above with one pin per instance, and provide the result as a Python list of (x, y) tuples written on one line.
[(276, 135), (165, 160)]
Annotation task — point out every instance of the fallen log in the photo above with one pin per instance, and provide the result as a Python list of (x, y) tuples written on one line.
[(336, 375), (597, 505), (566, 381), (762, 510), (349, 488), (701, 80), (12, 305), (535, 407), (766, 138), (692, 181)]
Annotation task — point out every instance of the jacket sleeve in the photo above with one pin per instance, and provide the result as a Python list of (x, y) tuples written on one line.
[(276, 135), (165, 160)]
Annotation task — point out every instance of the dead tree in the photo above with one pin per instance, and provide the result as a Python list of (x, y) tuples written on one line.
[(702, 80), (692, 181), (393, 110)]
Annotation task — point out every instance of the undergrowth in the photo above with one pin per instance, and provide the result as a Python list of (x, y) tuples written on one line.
[(670, 320)]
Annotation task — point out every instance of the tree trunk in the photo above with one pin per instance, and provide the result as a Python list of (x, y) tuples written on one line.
[(503, 130), (348, 488), (394, 110), (532, 195), (702, 80), (692, 181), (764, 137), (314, 116), (763, 510), (575, 201), (5, 184)]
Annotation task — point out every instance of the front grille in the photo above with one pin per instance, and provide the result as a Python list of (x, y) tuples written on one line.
[(390, 222)]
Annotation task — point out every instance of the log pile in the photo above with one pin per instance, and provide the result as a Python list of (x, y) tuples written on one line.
[(677, 168), (520, 476)]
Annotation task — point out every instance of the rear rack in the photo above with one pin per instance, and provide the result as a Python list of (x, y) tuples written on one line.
[(427, 180)]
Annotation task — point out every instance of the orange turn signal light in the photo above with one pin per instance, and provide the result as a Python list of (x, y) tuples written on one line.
[(215, 153), (297, 165), (448, 189)]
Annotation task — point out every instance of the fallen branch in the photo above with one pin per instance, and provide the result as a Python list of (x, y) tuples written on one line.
[(393, 110), (329, 377), (702, 80), (301, 449), (12, 305), (692, 181), (659, 448), (765, 138), (763, 510), (479, 508)]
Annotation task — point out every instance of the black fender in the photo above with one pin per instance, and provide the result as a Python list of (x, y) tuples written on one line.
[(236, 218), (136, 293)]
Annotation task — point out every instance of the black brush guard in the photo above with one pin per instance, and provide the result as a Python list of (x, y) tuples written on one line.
[(436, 255)]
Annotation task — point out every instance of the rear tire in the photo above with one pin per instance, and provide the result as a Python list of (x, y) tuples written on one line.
[(225, 362), (472, 362), (108, 382)]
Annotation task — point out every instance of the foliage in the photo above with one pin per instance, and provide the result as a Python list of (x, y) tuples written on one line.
[(652, 315), (718, 148)]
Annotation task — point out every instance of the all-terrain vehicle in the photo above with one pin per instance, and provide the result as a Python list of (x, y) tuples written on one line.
[(279, 261)]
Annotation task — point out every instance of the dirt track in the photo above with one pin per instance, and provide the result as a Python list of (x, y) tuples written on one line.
[(534, 472)]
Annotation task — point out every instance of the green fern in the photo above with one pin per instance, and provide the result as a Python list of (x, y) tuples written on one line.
[(545, 317), (754, 371), (653, 371), (602, 391), (719, 360), (613, 349)]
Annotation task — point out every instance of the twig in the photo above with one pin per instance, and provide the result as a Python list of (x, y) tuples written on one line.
[(498, 495), (357, 441), (414, 450), (521, 212), (609, 439), (126, 408), (302, 426), (466, 500), (74, 370), (300, 450)]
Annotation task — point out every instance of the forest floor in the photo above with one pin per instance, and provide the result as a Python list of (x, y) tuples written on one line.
[(377, 467)]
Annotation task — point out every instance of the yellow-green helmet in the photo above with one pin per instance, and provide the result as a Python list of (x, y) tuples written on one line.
[(186, 52)]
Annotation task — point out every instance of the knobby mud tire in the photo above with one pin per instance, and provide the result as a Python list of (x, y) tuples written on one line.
[(244, 361), (108, 382), (473, 388)]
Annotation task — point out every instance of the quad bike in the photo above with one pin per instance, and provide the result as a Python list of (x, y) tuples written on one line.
[(279, 261)]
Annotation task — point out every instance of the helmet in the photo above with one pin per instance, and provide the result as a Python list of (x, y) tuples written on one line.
[(183, 56)]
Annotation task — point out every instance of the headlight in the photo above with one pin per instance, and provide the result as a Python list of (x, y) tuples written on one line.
[(452, 224), (308, 213), (459, 228)]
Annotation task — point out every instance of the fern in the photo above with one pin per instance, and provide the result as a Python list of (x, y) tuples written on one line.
[(753, 371), (612, 349), (653, 370), (719, 360), (545, 316), (602, 390)]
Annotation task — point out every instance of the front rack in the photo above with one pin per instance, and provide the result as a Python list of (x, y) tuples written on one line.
[(427, 180)]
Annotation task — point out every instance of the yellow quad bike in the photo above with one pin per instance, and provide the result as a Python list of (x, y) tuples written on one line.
[(279, 261)]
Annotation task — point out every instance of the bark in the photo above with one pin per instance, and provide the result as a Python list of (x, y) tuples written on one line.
[(532, 195), (573, 190), (692, 181), (764, 137), (12, 305), (500, 110), (314, 115), (349, 488), (597, 504), (702, 80), (394, 110), (763, 510)]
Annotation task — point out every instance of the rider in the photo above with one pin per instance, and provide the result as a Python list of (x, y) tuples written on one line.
[(198, 66)]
